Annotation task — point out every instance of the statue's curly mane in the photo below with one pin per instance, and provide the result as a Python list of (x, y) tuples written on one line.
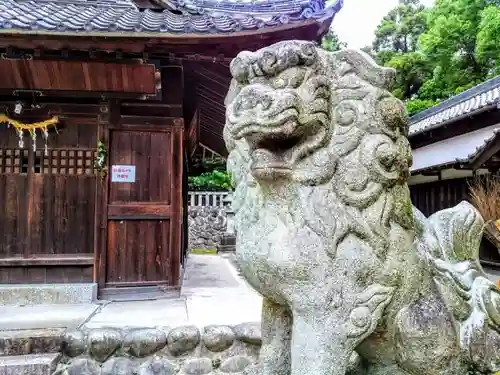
[(363, 165)]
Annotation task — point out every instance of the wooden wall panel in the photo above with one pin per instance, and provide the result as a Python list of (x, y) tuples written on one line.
[(151, 154), (64, 75), (439, 195), (48, 207), (61, 218), (145, 216), (13, 239), (136, 253), (45, 274)]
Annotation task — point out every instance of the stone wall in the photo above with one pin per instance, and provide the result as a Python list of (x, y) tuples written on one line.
[(206, 226), (184, 350)]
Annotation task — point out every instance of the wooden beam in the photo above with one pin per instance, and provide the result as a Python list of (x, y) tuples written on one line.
[(48, 260), (490, 150), (60, 75)]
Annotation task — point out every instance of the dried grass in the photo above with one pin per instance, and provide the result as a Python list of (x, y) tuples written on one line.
[(485, 195)]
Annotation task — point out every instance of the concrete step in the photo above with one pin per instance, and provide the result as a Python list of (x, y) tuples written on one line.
[(30, 341), (31, 364), (44, 316)]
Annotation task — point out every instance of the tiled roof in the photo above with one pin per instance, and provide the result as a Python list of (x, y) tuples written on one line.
[(468, 102), (460, 149), (179, 16)]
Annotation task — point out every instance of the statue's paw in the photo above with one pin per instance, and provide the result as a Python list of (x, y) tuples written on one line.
[(366, 315)]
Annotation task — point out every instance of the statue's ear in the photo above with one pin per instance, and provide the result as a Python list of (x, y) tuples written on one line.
[(234, 89), (362, 65)]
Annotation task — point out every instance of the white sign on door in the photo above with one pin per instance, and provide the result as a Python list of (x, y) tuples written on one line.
[(123, 173)]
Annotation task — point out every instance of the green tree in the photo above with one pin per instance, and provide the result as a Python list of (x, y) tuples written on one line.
[(396, 46), (331, 42), (400, 28), (488, 39), (461, 42)]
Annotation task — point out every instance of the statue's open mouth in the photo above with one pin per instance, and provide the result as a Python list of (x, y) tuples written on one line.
[(275, 150)]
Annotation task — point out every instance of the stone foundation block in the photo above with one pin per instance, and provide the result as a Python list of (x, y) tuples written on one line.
[(36, 294)]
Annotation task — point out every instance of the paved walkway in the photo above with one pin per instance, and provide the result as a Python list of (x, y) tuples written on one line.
[(212, 293)]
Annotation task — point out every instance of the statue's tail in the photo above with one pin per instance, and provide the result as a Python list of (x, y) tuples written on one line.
[(449, 242)]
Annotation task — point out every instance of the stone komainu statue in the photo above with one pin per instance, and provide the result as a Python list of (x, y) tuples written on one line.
[(355, 280)]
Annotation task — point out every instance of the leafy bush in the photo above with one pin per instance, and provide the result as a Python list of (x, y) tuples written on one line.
[(208, 165), (211, 181), (417, 105)]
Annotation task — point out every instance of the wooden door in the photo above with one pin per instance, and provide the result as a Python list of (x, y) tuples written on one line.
[(144, 211), (47, 215)]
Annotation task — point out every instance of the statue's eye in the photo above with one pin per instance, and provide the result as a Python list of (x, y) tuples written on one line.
[(290, 78)]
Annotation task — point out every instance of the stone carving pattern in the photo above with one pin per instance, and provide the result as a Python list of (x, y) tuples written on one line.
[(327, 233)]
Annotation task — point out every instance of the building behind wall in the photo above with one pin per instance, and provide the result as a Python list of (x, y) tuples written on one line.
[(453, 143)]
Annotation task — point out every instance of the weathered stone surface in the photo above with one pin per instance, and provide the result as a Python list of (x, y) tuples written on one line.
[(183, 339), (74, 343), (118, 366), (36, 364), (327, 232), (144, 342), (39, 294), (158, 367), (235, 364), (83, 366), (103, 343), (197, 366), (30, 341), (206, 226), (218, 338), (249, 333)]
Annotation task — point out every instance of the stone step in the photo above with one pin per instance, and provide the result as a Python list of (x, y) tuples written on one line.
[(226, 249), (228, 240), (30, 341), (36, 294), (31, 364)]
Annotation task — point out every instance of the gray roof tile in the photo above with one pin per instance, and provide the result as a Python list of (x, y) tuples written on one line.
[(468, 102), (181, 16)]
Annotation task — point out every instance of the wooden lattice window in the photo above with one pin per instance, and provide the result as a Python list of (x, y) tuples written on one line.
[(70, 162), (13, 160)]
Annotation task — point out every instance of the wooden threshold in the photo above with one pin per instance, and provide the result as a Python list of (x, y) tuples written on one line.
[(131, 284), (139, 293), (49, 260)]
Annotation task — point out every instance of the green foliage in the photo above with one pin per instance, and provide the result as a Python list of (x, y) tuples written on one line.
[(201, 166), (209, 175), (211, 181), (415, 106), (400, 28), (488, 39), (440, 51), (331, 42)]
